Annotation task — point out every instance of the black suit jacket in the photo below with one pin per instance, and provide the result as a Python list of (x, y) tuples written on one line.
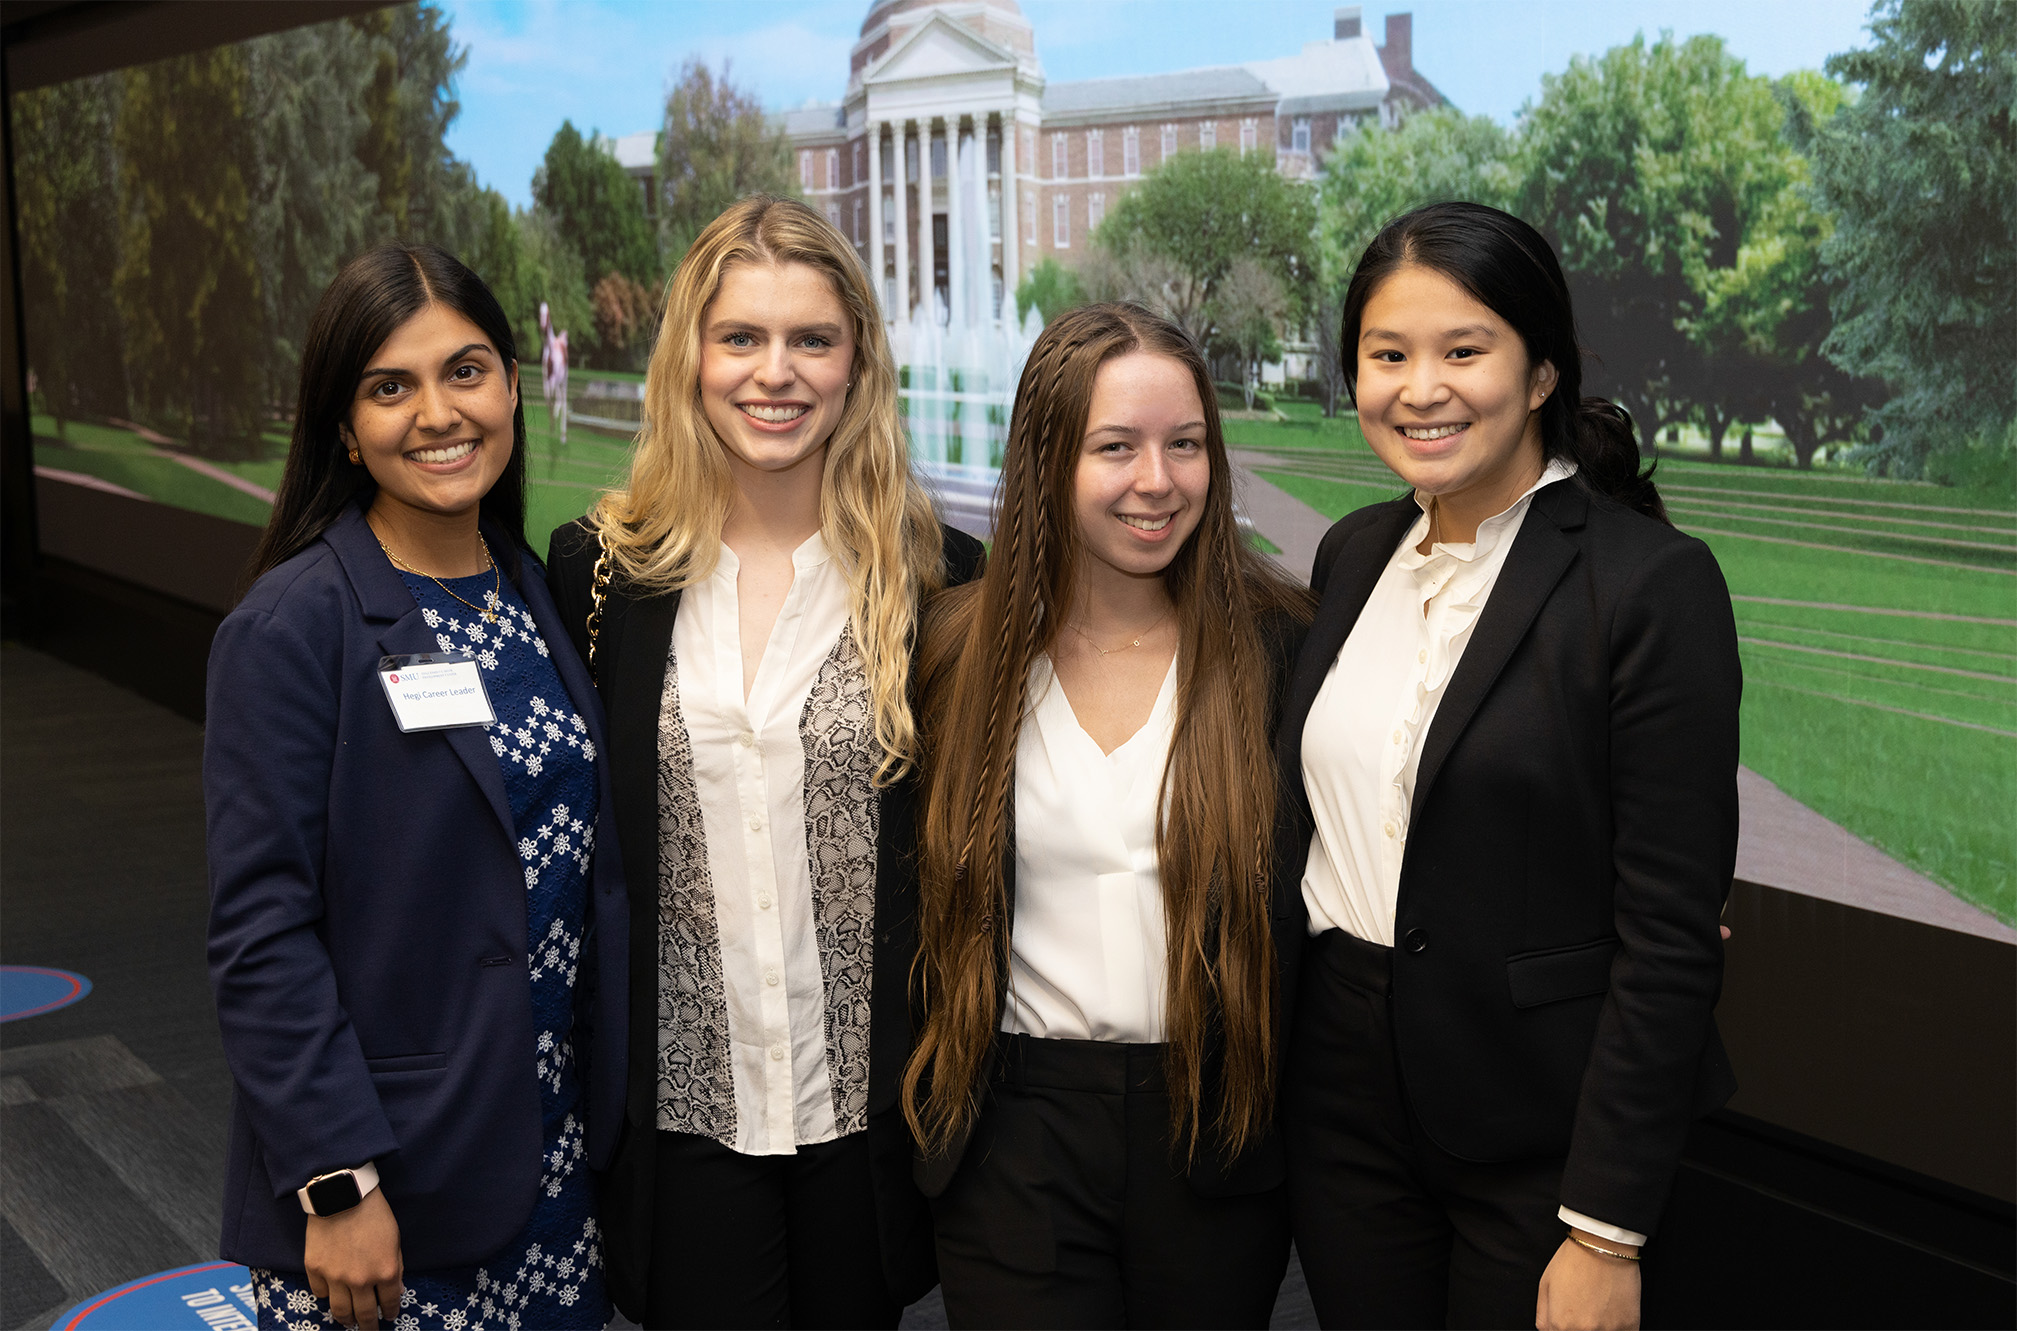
[(633, 648), (1212, 1173), (1572, 838)]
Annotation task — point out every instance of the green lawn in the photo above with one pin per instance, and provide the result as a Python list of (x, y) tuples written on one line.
[(1877, 621)]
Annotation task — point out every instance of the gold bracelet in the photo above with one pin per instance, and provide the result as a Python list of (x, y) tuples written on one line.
[(1582, 1242)]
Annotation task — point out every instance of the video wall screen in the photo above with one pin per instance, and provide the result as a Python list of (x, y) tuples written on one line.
[(1796, 273)]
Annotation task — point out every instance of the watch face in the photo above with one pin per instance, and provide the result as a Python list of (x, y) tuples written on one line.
[(336, 1193)]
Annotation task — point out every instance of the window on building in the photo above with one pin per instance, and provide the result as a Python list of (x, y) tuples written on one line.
[(1344, 131), (994, 152), (857, 222), (1131, 151), (1029, 236), (1250, 135), (1096, 154), (833, 215), (938, 146), (833, 168), (1169, 142), (1096, 212), (1299, 135), (888, 218), (805, 168), (1026, 151), (994, 210), (1061, 221), (860, 158), (1208, 134), (1060, 158)]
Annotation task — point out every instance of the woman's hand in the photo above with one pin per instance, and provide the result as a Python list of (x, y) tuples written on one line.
[(353, 1261), (1581, 1289)]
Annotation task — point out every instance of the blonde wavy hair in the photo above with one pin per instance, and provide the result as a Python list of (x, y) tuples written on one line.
[(663, 528)]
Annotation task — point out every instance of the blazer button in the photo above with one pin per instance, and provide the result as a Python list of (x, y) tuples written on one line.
[(1415, 941)]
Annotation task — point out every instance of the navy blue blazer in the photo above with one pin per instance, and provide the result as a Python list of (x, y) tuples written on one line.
[(367, 922)]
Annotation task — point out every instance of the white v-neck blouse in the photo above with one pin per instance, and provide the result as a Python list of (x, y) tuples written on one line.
[(1087, 952)]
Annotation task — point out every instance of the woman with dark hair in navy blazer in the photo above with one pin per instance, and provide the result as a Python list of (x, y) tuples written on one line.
[(417, 931), (1510, 745)]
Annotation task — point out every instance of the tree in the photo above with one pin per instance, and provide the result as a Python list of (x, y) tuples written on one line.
[(597, 206), (626, 315), (69, 229), (1376, 175), (1247, 306), (1645, 168), (187, 285), (1147, 278), (1920, 172), (1200, 211), (717, 146), (1051, 287)]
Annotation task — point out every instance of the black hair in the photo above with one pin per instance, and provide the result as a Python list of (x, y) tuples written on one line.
[(371, 297), (1510, 269)]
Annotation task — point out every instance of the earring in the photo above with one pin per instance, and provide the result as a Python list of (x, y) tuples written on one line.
[(356, 458)]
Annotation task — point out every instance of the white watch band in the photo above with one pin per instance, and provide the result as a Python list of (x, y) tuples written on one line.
[(366, 1175)]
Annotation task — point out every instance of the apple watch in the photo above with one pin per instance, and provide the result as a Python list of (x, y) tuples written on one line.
[(339, 1190)]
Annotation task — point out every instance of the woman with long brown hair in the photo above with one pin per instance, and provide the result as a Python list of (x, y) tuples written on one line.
[(747, 602), (1092, 1086)]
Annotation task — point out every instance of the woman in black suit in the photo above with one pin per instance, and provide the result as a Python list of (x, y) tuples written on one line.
[(1511, 749), (747, 604)]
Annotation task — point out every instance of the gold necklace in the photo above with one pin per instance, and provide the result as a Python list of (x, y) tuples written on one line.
[(496, 578), (1109, 651)]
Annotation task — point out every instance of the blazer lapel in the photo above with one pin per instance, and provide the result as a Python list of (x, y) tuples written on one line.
[(633, 686), (382, 595), (1356, 569), (1541, 554)]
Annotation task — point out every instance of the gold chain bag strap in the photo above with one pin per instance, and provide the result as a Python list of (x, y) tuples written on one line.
[(598, 589)]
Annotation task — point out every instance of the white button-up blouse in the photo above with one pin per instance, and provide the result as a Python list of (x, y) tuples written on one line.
[(767, 831), (1363, 739)]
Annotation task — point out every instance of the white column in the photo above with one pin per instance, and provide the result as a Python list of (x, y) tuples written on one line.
[(1011, 214), (875, 217), (955, 243), (901, 136), (927, 257)]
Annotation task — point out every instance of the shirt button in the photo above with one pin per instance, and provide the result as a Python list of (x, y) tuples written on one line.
[(1390, 829), (745, 739), (755, 823), (1397, 737), (1422, 657), (770, 976), (763, 900), (777, 1053)]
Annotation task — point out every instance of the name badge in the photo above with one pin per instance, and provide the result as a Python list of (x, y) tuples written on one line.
[(435, 691)]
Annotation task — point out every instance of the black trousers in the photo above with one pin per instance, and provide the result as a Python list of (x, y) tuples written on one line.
[(1069, 1211), (1393, 1230), (766, 1240)]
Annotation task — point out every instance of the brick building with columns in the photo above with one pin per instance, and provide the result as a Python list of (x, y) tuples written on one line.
[(927, 75)]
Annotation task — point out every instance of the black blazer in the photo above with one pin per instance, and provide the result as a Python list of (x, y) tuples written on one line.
[(1212, 1173), (367, 921), (634, 645), (1572, 839)]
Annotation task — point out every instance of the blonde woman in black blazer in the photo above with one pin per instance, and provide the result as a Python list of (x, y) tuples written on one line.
[(1511, 749)]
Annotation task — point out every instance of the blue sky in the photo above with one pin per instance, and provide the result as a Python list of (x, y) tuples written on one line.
[(605, 64)]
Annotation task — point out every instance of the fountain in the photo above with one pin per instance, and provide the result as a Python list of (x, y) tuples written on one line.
[(961, 359)]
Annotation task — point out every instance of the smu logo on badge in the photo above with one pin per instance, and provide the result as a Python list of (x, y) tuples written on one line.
[(393, 678)]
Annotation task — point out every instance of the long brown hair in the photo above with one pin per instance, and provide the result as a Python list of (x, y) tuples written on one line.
[(1214, 832)]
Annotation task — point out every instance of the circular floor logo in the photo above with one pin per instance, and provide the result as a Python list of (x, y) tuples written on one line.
[(215, 1295), (29, 991)]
